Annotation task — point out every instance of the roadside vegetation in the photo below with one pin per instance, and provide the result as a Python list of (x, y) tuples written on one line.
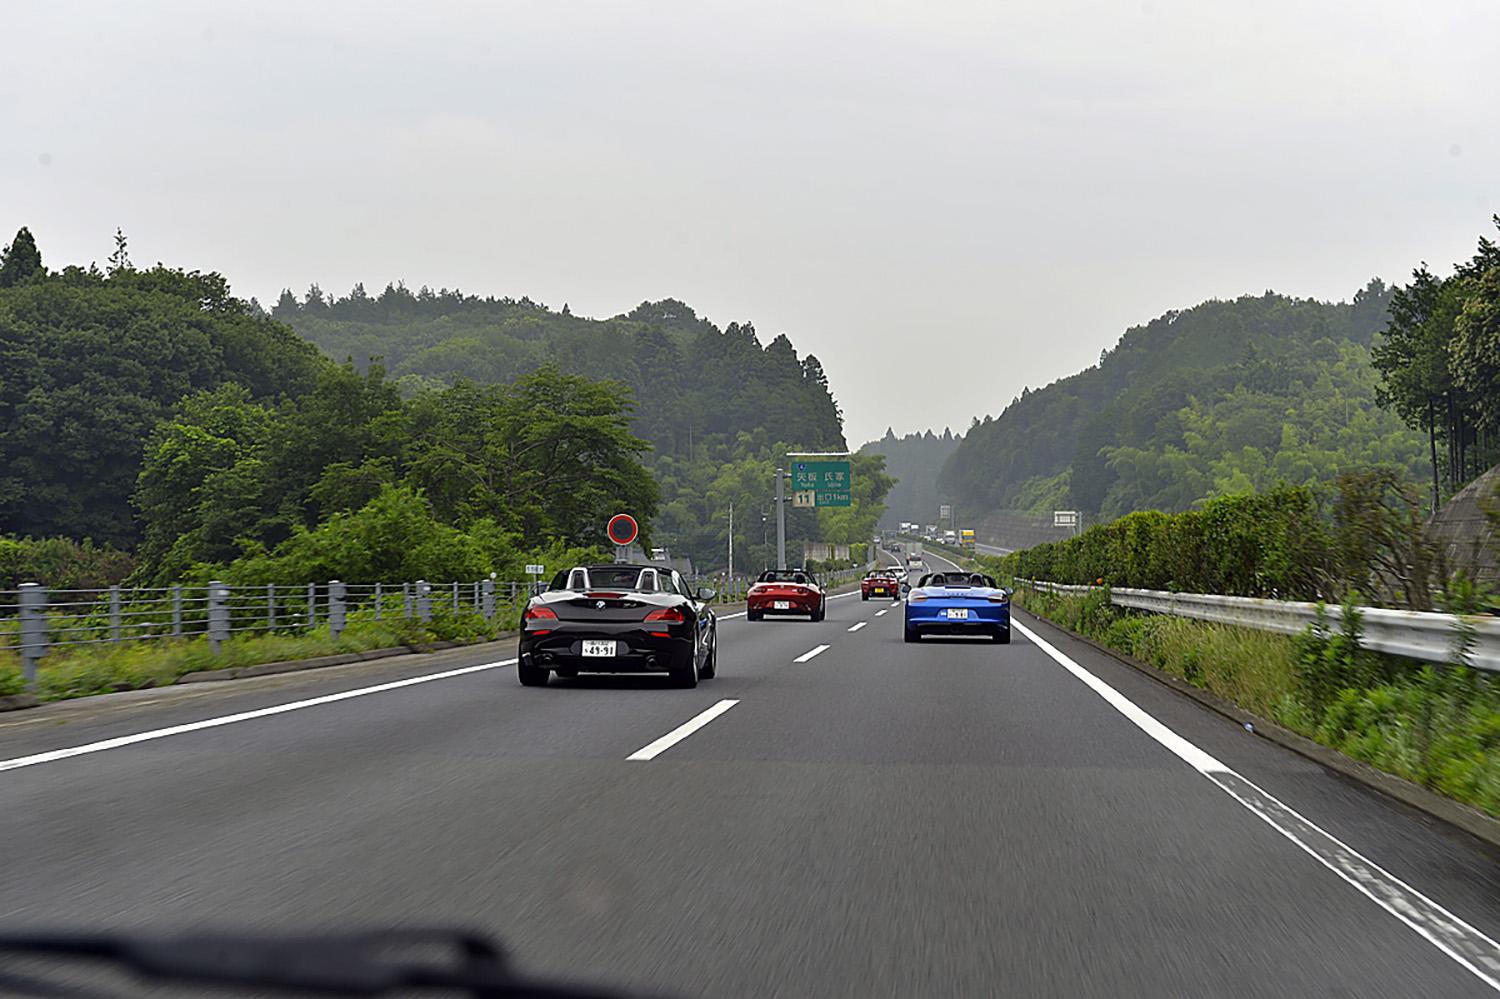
[(101, 669), (1364, 537)]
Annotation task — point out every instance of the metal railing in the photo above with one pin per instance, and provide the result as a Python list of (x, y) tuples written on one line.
[(36, 620), (1431, 637)]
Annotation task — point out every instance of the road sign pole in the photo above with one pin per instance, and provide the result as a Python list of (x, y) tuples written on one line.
[(780, 518)]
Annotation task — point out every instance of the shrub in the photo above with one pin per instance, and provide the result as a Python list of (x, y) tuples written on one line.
[(61, 563)]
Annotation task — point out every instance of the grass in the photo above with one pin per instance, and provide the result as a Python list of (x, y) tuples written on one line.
[(82, 671), (1438, 726)]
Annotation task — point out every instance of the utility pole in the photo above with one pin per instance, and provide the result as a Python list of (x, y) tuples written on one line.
[(780, 518)]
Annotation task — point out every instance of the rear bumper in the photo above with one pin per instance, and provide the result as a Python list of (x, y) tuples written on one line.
[(637, 651), (767, 605), (935, 620)]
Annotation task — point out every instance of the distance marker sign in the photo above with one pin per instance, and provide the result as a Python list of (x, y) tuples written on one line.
[(821, 482)]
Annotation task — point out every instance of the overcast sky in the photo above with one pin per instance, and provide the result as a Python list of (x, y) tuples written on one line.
[(945, 201)]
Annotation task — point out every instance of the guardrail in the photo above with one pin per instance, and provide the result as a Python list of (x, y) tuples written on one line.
[(35, 620), (1431, 637)]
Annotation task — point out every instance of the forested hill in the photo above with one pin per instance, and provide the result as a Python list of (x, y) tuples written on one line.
[(915, 461), (719, 408), (695, 386), (1222, 397)]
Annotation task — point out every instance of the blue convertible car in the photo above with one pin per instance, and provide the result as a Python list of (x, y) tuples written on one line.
[(958, 603)]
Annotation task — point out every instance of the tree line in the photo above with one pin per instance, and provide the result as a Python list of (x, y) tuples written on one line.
[(150, 415), (1439, 363), (151, 412), (1224, 397), (719, 407), (1230, 397)]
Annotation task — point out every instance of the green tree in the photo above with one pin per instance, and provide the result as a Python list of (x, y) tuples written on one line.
[(21, 261), (1475, 351), (91, 364), (201, 489), (394, 537)]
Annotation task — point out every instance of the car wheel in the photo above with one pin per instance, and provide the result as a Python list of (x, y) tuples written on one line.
[(820, 613), (751, 615), (910, 634), (532, 676), (864, 596), (1002, 636), (711, 664), (686, 675)]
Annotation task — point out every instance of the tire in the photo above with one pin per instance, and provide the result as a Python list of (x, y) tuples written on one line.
[(864, 596), (910, 635), (532, 676), (1002, 636), (820, 613), (686, 675), (711, 664), (751, 615)]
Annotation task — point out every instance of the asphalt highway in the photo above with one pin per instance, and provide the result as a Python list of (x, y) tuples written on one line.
[(838, 814)]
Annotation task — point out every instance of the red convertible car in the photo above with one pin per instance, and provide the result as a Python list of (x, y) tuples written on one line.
[(880, 583), (785, 591)]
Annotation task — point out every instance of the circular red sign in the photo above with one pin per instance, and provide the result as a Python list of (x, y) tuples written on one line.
[(622, 529)]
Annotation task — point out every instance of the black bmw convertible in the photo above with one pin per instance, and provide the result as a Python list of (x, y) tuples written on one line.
[(618, 619)]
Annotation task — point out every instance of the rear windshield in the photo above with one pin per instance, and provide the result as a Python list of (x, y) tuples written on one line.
[(784, 576), (959, 579), (610, 577)]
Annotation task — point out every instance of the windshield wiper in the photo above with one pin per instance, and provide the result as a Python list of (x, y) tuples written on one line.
[(372, 963)]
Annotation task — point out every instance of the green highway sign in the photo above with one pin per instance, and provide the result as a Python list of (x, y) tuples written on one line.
[(821, 482)]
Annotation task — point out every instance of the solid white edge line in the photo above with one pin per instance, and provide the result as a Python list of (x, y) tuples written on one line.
[(804, 657), (1465, 944), (856, 627), (652, 750), (275, 709)]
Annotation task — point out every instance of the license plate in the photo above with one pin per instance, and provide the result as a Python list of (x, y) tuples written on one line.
[(781, 605), (958, 613), (596, 649)]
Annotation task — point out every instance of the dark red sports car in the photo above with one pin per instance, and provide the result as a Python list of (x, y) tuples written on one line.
[(880, 583), (785, 591)]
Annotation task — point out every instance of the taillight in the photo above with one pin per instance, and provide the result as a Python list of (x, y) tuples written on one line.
[(1000, 598), (667, 615), (539, 614), (916, 598)]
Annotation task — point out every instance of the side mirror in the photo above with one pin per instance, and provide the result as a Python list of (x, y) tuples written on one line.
[(707, 593), (905, 586)]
